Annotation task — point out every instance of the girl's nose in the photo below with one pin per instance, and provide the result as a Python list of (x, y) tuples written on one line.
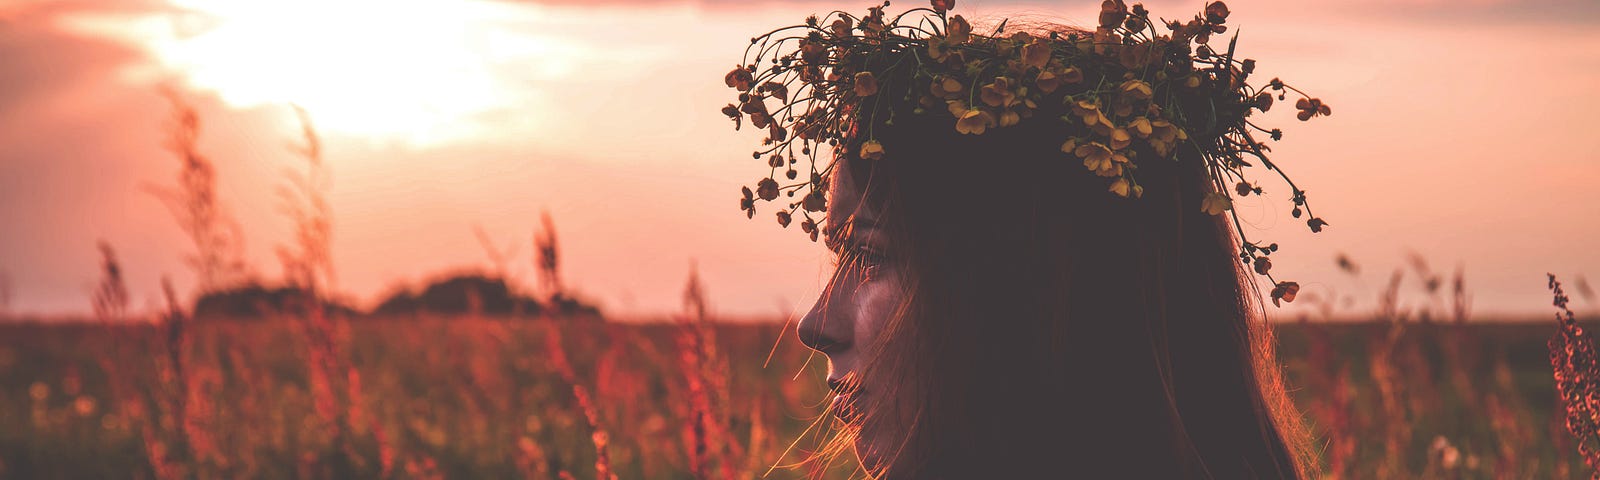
[(828, 327)]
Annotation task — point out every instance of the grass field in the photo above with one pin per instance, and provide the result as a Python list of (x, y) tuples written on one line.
[(474, 397)]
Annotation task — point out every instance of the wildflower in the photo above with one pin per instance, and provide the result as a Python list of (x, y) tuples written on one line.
[(945, 87), (1036, 54), (872, 150), (778, 90), (1141, 127), (767, 189), (1164, 135), (1009, 118), (1112, 12), (1243, 188), (1135, 57), (1072, 75), (1105, 39), (1069, 146), (866, 84), (841, 27), (957, 30), (1120, 138), (998, 93), (974, 121), (1262, 265), (942, 6), (1216, 12), (815, 201), (957, 108), (739, 79), (732, 111), (1316, 224), (1098, 122), (1120, 187), (1285, 291), (1137, 90), (1100, 160), (1215, 203), (1263, 101), (1311, 107), (813, 53)]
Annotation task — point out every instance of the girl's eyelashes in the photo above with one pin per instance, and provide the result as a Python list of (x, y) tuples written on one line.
[(868, 255)]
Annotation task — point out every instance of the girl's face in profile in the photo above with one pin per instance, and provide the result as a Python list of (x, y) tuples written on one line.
[(844, 324)]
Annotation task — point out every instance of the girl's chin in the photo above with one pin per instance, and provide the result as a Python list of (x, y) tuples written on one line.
[(870, 459)]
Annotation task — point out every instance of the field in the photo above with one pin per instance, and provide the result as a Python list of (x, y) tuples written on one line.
[(487, 397)]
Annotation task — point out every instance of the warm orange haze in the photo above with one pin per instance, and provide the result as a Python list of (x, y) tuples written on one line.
[(398, 159), (442, 116)]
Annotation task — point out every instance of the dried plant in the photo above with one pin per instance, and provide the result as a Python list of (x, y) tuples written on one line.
[(215, 236), (1577, 378), (548, 259), (308, 261)]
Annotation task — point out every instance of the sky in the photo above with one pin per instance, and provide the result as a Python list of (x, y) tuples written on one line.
[(1462, 134)]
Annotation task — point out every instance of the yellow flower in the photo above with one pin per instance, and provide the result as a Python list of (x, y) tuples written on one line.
[(937, 50), (998, 93), (1009, 118), (1141, 127), (872, 150), (1070, 145), (1036, 54), (1085, 105), (957, 108), (866, 84), (1098, 122), (1137, 90), (945, 87), (1121, 187), (1106, 39), (974, 121), (1120, 138), (1216, 203), (1047, 81), (841, 27), (958, 30), (1164, 135), (1099, 159)]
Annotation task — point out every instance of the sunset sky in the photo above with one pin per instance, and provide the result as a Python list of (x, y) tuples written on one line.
[(1462, 131)]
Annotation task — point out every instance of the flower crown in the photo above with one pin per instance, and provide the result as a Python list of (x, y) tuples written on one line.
[(1123, 86)]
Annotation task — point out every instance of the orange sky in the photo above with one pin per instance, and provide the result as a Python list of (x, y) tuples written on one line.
[(1461, 134)]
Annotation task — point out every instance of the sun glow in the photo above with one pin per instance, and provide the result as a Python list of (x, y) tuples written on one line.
[(419, 72)]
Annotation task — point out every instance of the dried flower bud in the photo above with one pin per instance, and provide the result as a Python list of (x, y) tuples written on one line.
[(1112, 12), (815, 202), (738, 79), (767, 189), (1217, 12), (1263, 265)]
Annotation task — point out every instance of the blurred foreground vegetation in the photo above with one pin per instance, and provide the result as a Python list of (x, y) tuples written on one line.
[(482, 397)]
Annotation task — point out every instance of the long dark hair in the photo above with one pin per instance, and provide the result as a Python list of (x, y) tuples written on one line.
[(1051, 328)]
